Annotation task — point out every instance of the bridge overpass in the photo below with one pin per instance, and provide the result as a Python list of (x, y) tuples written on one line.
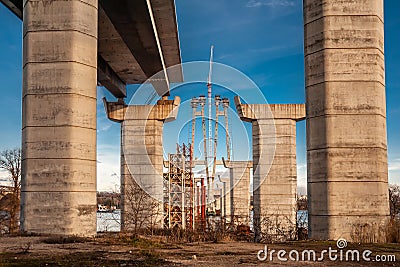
[(128, 49)]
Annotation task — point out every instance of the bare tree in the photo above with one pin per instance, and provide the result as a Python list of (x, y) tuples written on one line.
[(394, 200), (276, 226), (10, 161), (302, 202), (140, 210)]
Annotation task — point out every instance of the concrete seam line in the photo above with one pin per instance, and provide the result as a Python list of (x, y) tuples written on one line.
[(350, 15)]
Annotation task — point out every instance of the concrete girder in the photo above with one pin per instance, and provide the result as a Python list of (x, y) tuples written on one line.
[(116, 53), (14, 6), (123, 59), (133, 20), (109, 79)]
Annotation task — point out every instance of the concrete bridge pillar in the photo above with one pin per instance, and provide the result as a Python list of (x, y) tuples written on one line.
[(226, 199), (346, 119), (142, 159), (239, 191), (274, 167), (58, 194)]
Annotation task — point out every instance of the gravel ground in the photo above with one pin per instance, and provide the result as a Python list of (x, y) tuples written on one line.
[(121, 251)]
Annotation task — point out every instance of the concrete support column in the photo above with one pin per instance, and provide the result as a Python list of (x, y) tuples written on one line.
[(239, 195), (58, 194), (142, 160), (346, 119), (226, 198), (274, 168)]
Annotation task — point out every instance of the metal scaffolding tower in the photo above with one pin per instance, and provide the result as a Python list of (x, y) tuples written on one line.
[(179, 190), (210, 156)]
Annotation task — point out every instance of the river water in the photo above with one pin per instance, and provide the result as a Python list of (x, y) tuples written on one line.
[(111, 221)]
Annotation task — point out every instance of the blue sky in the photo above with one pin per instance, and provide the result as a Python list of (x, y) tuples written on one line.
[(261, 38)]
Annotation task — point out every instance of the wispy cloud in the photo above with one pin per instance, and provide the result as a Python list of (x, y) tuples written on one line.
[(269, 3), (104, 125)]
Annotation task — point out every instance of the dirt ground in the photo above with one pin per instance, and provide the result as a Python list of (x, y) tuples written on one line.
[(123, 251)]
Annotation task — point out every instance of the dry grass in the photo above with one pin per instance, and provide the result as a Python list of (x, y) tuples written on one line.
[(393, 231)]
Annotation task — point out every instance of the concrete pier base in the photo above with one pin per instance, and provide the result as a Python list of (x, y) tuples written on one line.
[(142, 160), (58, 191), (274, 181), (346, 120)]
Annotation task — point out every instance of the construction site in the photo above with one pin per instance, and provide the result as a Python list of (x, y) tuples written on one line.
[(70, 48), (192, 126), (193, 195), (199, 202)]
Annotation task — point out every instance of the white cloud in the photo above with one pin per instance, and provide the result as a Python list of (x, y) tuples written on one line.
[(270, 3), (394, 171), (394, 165), (302, 178), (108, 164)]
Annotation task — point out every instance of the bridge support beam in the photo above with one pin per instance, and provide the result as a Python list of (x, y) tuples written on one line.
[(346, 120), (58, 194), (274, 167), (142, 160)]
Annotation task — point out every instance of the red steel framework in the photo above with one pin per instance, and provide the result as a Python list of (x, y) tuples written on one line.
[(179, 190)]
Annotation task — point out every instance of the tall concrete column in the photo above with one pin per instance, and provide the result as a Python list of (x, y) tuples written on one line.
[(226, 199), (239, 187), (346, 119), (142, 159), (58, 194), (274, 167)]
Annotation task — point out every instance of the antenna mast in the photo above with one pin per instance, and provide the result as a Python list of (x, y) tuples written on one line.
[(210, 72), (210, 143), (209, 86)]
